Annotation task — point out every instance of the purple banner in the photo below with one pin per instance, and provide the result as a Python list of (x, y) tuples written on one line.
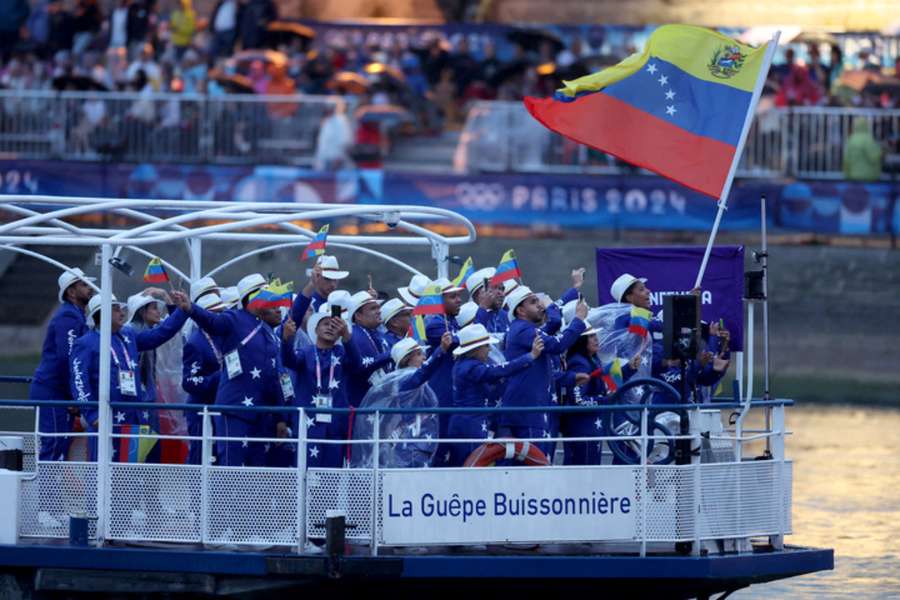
[(673, 271)]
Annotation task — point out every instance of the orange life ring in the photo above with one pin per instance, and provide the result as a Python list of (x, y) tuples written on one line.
[(487, 454)]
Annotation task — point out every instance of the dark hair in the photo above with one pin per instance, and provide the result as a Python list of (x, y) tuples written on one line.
[(579, 347), (629, 289)]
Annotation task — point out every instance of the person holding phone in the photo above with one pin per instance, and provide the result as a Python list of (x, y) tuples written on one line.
[(368, 353)]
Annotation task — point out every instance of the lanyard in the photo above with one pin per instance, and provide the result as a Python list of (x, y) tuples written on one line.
[(213, 346), (115, 356), (250, 335), (319, 373), (371, 339)]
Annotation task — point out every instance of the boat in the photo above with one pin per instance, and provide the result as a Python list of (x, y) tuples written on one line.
[(712, 522)]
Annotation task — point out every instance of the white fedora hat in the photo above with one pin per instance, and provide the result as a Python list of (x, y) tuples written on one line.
[(392, 308), (211, 302), (68, 278), (201, 286), (94, 305), (357, 301), (230, 297), (249, 284), (340, 298), (516, 297), (414, 290), (621, 285), (471, 337), (476, 279), (466, 314), (330, 267), (136, 302), (402, 348), (447, 286)]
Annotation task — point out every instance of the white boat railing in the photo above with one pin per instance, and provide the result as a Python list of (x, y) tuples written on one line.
[(712, 501)]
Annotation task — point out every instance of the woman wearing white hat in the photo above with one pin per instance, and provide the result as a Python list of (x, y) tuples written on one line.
[(474, 386), (396, 316), (51, 379)]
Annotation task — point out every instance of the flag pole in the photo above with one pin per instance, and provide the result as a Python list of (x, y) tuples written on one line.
[(748, 119)]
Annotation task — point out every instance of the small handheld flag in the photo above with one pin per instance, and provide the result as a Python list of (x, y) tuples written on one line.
[(640, 321), (155, 272), (431, 302), (134, 449), (274, 295), (464, 272), (612, 375), (507, 269), (316, 246), (417, 329)]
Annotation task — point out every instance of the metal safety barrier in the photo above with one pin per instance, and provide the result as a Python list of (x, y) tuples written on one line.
[(805, 142), (161, 128)]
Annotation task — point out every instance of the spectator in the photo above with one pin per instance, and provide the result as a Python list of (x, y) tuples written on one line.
[(182, 22), (464, 66), (334, 140), (146, 64), (118, 25), (798, 90), (253, 19), (817, 71), (279, 84), (13, 14), (39, 25), (836, 67), (224, 28), (142, 110), (85, 24), (62, 31), (140, 15), (862, 154)]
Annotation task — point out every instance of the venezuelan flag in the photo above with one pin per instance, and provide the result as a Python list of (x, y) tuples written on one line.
[(640, 321), (678, 108), (271, 296), (417, 329), (134, 449), (507, 269), (464, 272), (155, 272), (316, 246), (612, 375), (431, 302)]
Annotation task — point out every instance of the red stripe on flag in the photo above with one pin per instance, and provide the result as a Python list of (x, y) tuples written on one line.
[(428, 309), (505, 275), (616, 127)]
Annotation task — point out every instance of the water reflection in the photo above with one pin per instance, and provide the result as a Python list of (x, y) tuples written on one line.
[(847, 497)]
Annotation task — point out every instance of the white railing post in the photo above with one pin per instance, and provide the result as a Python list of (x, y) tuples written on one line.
[(301, 480), (698, 487), (104, 426), (205, 458), (643, 506), (376, 463), (777, 541)]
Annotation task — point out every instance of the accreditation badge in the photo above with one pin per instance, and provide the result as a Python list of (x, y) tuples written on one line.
[(322, 401), (233, 364), (287, 387), (127, 384)]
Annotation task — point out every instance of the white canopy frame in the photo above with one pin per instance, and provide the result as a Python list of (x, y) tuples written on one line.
[(44, 221)]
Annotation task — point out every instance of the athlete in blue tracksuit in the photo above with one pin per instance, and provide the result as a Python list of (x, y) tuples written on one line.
[(532, 387), (322, 383), (202, 363), (51, 379), (125, 383), (367, 351), (253, 364), (474, 385), (442, 380)]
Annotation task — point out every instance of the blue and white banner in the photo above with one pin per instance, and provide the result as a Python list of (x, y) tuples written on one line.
[(564, 201), (495, 505)]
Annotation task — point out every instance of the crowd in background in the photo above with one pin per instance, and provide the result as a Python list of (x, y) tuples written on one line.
[(428, 81)]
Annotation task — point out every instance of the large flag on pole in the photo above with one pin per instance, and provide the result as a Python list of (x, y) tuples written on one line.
[(678, 108)]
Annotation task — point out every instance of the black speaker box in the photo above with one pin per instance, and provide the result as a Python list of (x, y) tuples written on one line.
[(681, 326)]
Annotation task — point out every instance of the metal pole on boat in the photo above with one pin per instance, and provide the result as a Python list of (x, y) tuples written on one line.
[(104, 429), (301, 480), (764, 262), (376, 463)]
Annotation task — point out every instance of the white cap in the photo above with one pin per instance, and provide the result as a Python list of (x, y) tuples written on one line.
[(515, 298), (230, 296), (471, 337), (621, 285), (94, 305), (340, 298), (249, 284), (414, 290), (357, 301), (402, 348), (447, 285), (137, 302), (392, 308), (68, 278), (211, 302), (201, 286), (330, 267), (476, 279), (466, 314)]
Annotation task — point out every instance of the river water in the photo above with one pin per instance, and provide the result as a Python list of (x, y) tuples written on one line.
[(846, 497)]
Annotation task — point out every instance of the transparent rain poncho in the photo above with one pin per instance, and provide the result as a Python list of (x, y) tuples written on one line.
[(422, 429)]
